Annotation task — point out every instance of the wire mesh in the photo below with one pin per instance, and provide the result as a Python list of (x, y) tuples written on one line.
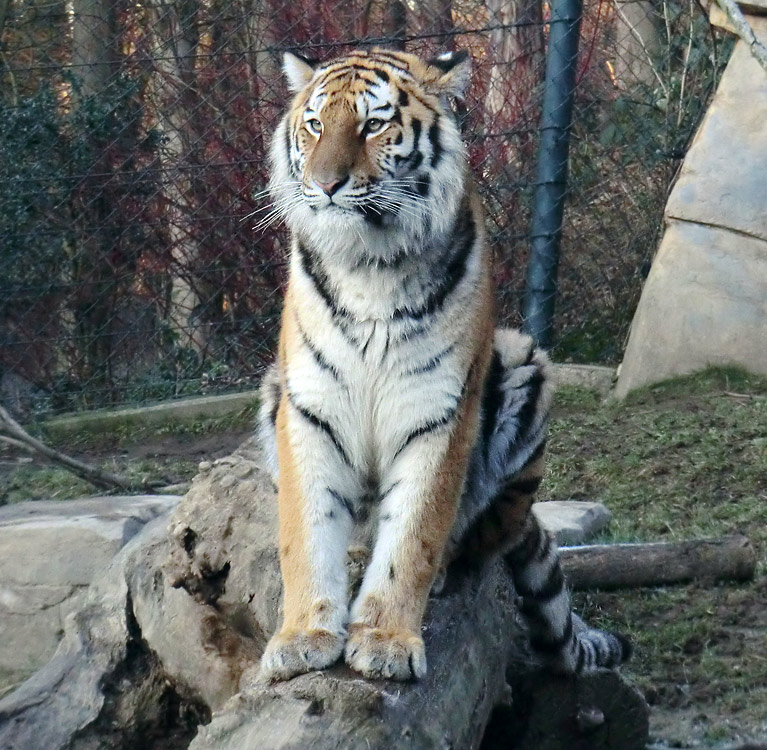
[(134, 139)]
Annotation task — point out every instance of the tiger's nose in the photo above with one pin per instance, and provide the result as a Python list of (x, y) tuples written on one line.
[(333, 186)]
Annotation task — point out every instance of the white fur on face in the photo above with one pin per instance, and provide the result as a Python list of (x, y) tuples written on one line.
[(337, 229)]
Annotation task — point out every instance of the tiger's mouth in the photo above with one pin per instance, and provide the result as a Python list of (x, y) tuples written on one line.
[(371, 210)]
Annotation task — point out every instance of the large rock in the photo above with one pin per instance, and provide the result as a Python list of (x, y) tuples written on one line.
[(49, 554), (705, 300), (163, 651), (572, 521)]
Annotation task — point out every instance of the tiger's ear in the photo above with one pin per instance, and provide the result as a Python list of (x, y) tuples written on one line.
[(298, 70), (454, 72)]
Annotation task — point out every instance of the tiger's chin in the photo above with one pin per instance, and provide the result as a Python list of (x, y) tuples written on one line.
[(349, 232)]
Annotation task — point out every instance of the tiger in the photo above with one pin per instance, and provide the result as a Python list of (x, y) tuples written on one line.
[(395, 414)]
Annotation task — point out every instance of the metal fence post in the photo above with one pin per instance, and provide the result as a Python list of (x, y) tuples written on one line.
[(551, 183)]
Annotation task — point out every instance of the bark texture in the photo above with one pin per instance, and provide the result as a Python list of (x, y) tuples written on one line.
[(612, 566), (163, 653)]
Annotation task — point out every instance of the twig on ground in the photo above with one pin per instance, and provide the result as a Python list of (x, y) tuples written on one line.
[(13, 433)]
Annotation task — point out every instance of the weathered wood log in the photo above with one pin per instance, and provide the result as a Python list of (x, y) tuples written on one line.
[(611, 566), (173, 631)]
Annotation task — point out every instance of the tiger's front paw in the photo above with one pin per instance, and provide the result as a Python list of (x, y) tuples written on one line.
[(391, 654), (292, 652)]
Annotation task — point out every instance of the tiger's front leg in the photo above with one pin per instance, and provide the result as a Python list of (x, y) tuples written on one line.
[(418, 506), (316, 501)]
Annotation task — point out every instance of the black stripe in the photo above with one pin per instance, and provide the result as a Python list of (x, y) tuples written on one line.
[(289, 148), (436, 144), (310, 265), (454, 273), (554, 645), (551, 588), (432, 363), (423, 184), (545, 548), (524, 486), (403, 100), (277, 393), (415, 123), (393, 62), (367, 341), (318, 356), (344, 502), (387, 491), (343, 70), (590, 652), (492, 399), (581, 658), (425, 429), (415, 157), (374, 214), (423, 103), (523, 552), (528, 412), (538, 452), (376, 262), (320, 424)]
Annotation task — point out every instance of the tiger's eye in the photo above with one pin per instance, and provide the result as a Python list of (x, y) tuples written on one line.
[(315, 126), (373, 125)]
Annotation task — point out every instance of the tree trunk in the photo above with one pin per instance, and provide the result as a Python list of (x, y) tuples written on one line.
[(172, 97), (637, 44), (173, 630), (517, 53), (95, 60)]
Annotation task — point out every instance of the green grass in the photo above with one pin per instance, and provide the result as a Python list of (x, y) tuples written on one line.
[(682, 460), (116, 450), (119, 434)]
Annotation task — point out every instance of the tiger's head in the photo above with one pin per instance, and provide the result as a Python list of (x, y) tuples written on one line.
[(369, 145)]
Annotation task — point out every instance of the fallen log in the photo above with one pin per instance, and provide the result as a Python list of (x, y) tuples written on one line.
[(164, 653), (612, 566)]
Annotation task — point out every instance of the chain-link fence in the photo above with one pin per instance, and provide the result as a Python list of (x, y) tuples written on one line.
[(133, 142)]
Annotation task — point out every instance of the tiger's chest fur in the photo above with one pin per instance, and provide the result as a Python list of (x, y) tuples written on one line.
[(381, 351)]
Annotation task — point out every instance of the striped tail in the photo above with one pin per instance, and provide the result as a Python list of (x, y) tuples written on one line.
[(495, 517), (562, 641)]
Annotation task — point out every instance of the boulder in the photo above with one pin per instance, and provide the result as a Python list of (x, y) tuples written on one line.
[(50, 551), (572, 521), (705, 300)]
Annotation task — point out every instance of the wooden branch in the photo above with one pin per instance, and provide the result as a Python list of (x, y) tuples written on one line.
[(611, 566), (15, 434), (744, 30)]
